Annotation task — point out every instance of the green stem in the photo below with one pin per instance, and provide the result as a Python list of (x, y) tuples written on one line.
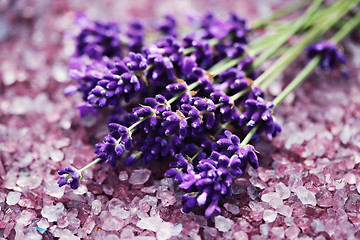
[(90, 164), (131, 128), (344, 31), (347, 28), (285, 60), (300, 78), (240, 94), (272, 43), (285, 37), (250, 134), (262, 23), (297, 81), (224, 65), (290, 8), (189, 88)]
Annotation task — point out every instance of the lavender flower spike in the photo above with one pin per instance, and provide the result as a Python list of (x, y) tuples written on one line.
[(330, 54), (71, 176)]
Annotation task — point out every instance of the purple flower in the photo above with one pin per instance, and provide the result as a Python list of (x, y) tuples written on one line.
[(71, 176), (259, 111), (225, 110), (209, 179), (114, 144), (97, 39), (237, 50), (154, 148), (168, 26), (165, 57), (86, 109), (120, 82), (331, 56), (87, 74), (136, 36), (135, 62), (203, 53)]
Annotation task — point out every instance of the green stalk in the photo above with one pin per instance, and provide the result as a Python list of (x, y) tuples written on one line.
[(250, 134), (297, 81), (189, 88), (288, 9), (274, 42), (262, 23), (285, 60), (265, 79), (90, 164), (346, 28), (286, 36), (301, 77)]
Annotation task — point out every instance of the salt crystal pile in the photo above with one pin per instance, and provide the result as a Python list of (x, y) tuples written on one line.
[(307, 187)]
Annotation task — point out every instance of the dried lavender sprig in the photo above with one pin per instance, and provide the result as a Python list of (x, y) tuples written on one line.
[(72, 176)]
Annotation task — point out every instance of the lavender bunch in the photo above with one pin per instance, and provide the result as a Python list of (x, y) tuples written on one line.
[(180, 96)]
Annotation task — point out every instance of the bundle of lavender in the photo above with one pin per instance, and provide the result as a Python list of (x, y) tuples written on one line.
[(197, 98)]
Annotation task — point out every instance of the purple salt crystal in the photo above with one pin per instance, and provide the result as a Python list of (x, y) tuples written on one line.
[(223, 224), (139, 176), (264, 229), (151, 223), (96, 207), (292, 232), (13, 198), (52, 189), (52, 213), (282, 190), (115, 207), (167, 198), (112, 223), (232, 208), (267, 197), (269, 215), (305, 196), (88, 225), (165, 231), (284, 210), (277, 232), (123, 176)]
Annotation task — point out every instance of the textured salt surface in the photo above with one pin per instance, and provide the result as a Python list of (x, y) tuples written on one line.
[(307, 186)]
